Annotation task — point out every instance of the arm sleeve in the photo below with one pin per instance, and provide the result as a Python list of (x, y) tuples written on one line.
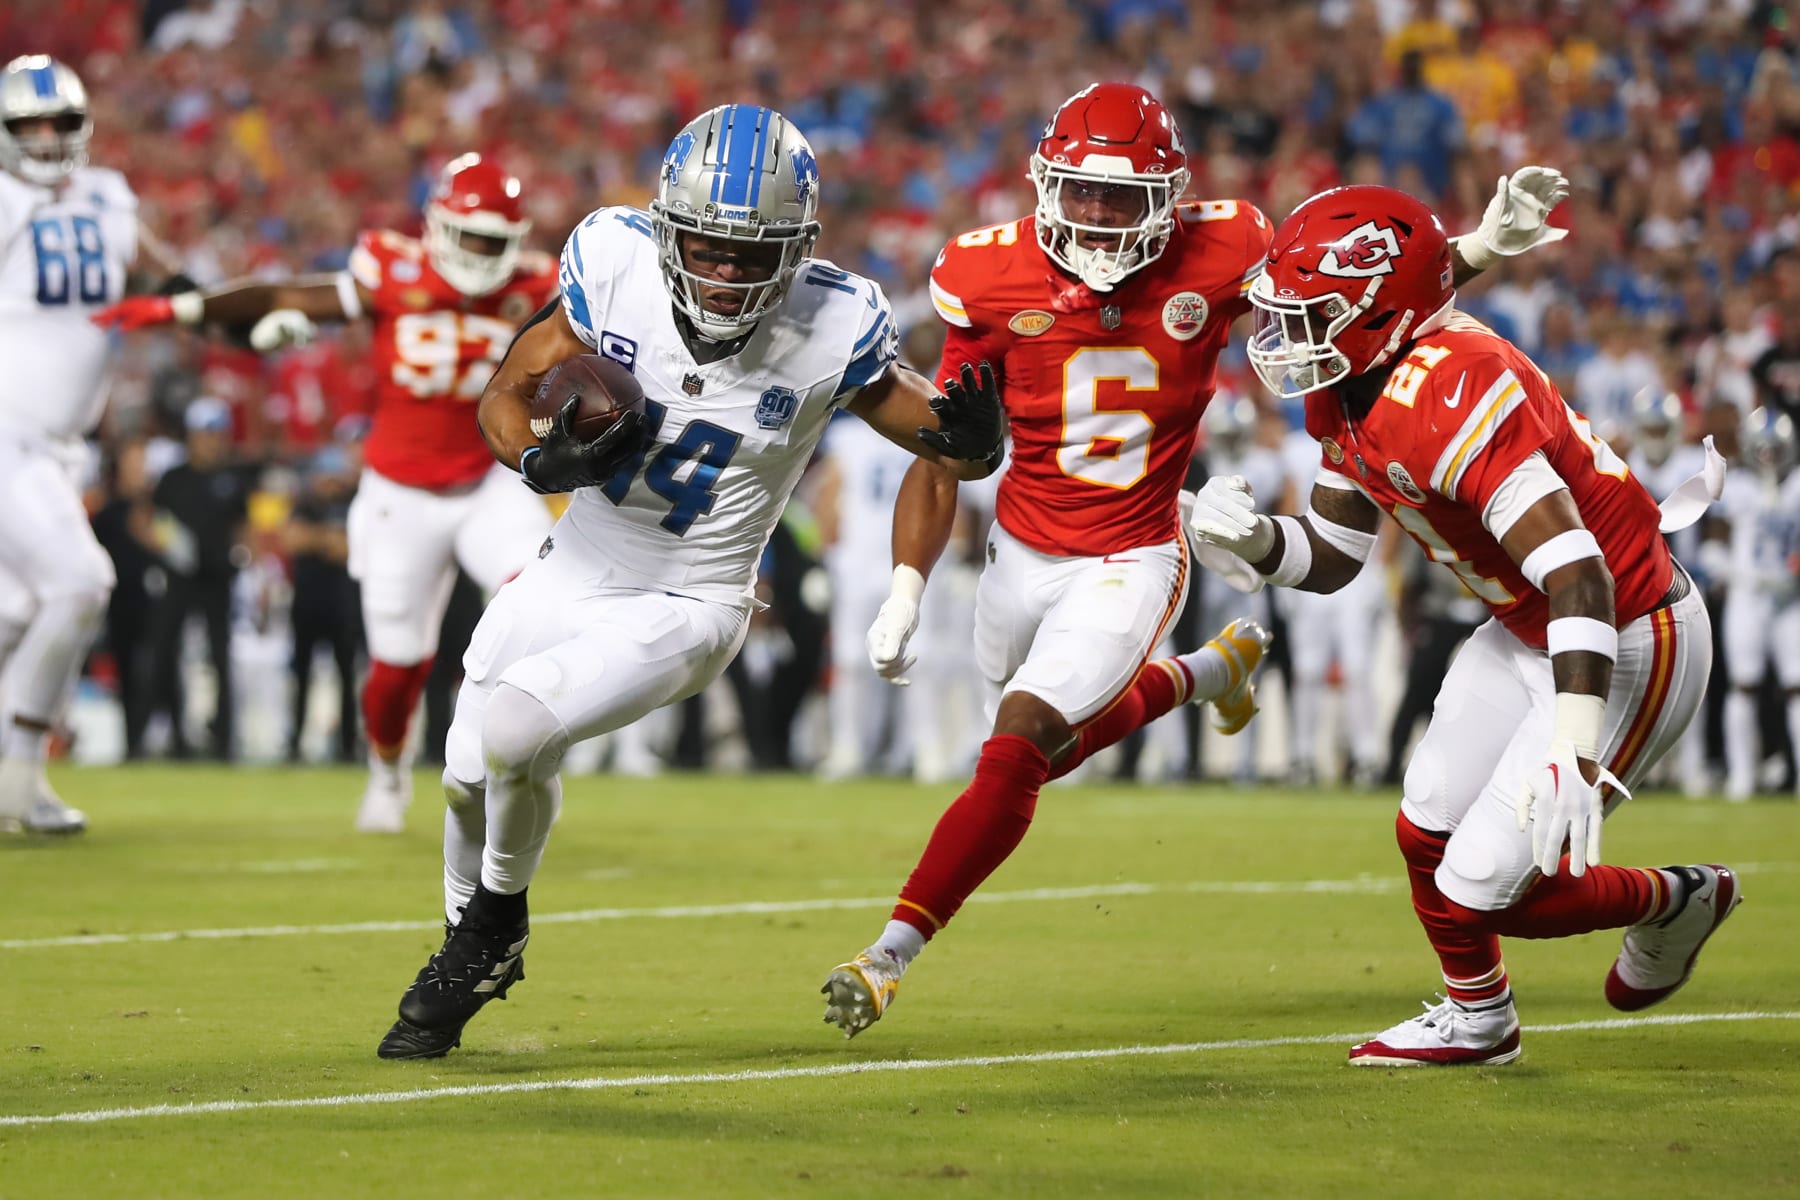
[(877, 345), (572, 279), (1503, 426)]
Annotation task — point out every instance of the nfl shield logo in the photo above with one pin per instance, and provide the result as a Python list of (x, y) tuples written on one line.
[(776, 408), (691, 383)]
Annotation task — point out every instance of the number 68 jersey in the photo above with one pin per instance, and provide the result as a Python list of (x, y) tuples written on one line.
[(1459, 413), (693, 512), (435, 350), (64, 252), (1103, 390)]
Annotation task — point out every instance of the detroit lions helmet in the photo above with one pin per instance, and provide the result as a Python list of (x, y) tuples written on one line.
[(744, 173), (33, 88), (1768, 442)]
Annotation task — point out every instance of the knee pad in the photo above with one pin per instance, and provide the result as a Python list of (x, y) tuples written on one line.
[(1423, 789), (520, 737), (461, 795)]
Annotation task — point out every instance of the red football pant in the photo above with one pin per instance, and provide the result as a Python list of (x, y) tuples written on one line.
[(390, 694), (976, 833)]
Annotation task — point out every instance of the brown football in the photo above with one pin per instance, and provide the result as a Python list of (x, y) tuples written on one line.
[(603, 390)]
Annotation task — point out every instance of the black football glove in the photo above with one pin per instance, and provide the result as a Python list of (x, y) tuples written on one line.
[(970, 424), (562, 462)]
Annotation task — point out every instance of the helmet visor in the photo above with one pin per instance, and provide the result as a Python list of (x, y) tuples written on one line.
[(1292, 341), (1102, 226)]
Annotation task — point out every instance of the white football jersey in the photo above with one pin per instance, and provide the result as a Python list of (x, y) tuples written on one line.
[(870, 469), (1661, 479), (63, 256), (1765, 528), (731, 437)]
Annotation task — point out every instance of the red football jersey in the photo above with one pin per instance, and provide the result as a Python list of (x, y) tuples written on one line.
[(435, 350), (1104, 391), (1458, 414)]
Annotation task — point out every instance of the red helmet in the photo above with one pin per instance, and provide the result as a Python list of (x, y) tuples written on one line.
[(1116, 139), (1352, 274), (476, 202)]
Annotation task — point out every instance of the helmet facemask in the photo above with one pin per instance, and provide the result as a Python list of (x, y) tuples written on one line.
[(1139, 243), (472, 271), (1293, 343), (44, 121), (687, 288)]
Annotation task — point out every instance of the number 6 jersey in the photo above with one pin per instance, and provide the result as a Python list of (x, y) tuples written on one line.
[(435, 350), (64, 252), (1103, 390), (692, 514)]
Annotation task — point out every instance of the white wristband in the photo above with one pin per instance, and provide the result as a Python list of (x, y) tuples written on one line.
[(1566, 635), (188, 308), (1474, 251), (1296, 554), (907, 585), (1571, 545), (1579, 721), (349, 299)]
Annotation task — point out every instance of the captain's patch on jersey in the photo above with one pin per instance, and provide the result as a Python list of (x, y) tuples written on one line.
[(1184, 315)]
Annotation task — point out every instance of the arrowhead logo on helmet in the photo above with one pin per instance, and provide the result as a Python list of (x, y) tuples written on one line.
[(1365, 251)]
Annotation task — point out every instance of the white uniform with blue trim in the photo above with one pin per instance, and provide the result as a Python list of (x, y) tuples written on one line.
[(64, 252), (643, 591)]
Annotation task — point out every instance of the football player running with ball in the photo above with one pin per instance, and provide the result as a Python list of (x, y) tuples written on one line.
[(1598, 651), (745, 346), (431, 497), (1105, 313)]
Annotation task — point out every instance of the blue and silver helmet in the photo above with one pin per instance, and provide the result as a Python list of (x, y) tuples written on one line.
[(36, 90), (740, 172)]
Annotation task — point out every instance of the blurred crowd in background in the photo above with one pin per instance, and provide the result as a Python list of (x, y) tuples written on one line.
[(262, 136)]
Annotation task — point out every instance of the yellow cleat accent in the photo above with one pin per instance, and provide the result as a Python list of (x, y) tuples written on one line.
[(859, 991), (1242, 644)]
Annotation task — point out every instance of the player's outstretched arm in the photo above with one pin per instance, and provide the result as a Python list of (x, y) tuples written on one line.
[(1563, 801), (924, 519), (1318, 552), (279, 314), (961, 430), (1515, 221)]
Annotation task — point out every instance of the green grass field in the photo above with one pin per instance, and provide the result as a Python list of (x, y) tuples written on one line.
[(1152, 999)]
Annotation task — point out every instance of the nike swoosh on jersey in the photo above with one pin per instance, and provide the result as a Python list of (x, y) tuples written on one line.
[(1456, 396)]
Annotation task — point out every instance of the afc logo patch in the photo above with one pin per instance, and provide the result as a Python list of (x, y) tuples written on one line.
[(1184, 315), (776, 408), (1403, 483), (621, 350)]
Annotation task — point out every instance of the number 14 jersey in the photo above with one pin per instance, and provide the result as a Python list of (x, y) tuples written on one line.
[(435, 350), (1103, 390)]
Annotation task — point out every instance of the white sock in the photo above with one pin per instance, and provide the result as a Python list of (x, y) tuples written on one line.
[(1740, 742), (1309, 702), (465, 836), (1211, 673), (902, 941)]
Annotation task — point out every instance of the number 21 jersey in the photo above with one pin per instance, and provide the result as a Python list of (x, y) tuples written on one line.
[(435, 350), (1103, 390)]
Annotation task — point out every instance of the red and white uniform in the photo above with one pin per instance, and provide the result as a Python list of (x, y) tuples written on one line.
[(1104, 392), (1439, 451), (432, 496), (1459, 413)]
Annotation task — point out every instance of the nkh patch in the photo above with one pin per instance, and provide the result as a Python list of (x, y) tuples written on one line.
[(776, 407)]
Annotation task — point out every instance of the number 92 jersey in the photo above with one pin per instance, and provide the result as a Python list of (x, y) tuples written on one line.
[(1103, 391), (63, 256), (693, 512), (435, 350), (1458, 415)]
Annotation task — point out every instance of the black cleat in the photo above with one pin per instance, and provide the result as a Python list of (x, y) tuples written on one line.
[(480, 960)]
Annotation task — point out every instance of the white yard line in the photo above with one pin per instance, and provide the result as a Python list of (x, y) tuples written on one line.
[(605, 1083), (1367, 885)]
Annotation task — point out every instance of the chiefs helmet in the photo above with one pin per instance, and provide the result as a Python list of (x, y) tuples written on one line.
[(1352, 275), (1111, 136), (475, 225)]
